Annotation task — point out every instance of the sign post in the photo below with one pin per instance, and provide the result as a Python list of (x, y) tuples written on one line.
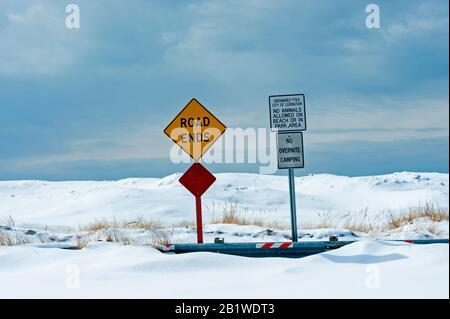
[(288, 119), (195, 129), (293, 205), (198, 210), (290, 156)]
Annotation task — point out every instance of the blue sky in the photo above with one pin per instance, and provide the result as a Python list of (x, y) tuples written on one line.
[(92, 103)]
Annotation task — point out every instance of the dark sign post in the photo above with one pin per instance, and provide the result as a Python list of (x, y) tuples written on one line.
[(290, 156), (197, 179)]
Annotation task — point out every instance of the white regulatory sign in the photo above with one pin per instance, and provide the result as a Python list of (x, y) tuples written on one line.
[(287, 112), (290, 150)]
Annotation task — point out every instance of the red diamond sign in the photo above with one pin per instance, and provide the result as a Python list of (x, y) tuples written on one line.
[(197, 179)]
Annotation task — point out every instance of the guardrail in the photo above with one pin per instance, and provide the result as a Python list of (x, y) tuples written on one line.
[(274, 249)]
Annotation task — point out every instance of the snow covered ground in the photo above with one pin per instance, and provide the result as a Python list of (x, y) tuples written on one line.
[(120, 262), (366, 269), (267, 196)]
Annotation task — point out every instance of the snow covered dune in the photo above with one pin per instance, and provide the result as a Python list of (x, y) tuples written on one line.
[(75, 203)]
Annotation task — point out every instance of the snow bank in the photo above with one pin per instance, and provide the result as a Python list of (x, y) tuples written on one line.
[(75, 203), (361, 270)]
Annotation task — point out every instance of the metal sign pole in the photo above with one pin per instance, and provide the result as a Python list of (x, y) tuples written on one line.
[(289, 139), (198, 204), (293, 205)]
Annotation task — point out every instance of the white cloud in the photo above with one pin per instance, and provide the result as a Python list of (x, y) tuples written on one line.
[(228, 43), (223, 42), (34, 41), (423, 19), (388, 121), (418, 120), (135, 143)]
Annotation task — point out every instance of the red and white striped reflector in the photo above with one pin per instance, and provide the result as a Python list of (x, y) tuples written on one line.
[(167, 247), (275, 245)]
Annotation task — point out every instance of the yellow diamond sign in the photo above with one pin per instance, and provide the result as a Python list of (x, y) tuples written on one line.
[(195, 129)]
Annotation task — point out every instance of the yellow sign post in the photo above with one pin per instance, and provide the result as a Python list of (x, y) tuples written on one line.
[(195, 129)]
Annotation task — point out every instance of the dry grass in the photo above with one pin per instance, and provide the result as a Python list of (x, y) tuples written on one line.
[(185, 224), (8, 221), (125, 240), (328, 219), (142, 223), (385, 221), (111, 237), (430, 211), (359, 222), (114, 238), (99, 225), (434, 229), (160, 236), (104, 229), (276, 225), (105, 224), (81, 243), (232, 213), (12, 239)]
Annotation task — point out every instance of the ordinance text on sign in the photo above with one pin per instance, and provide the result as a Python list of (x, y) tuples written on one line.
[(287, 112)]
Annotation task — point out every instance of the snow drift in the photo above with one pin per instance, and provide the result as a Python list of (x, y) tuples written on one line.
[(75, 203)]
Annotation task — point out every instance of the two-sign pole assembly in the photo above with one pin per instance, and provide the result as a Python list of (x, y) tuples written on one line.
[(288, 119), (195, 129)]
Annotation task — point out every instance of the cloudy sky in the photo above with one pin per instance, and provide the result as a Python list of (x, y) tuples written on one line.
[(92, 103)]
